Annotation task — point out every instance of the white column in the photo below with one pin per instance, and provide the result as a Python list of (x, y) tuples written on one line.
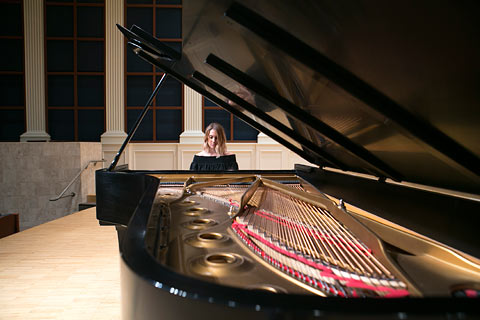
[(193, 118), (115, 134), (34, 72)]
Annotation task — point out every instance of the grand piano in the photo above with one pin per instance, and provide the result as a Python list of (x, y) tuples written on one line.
[(381, 97)]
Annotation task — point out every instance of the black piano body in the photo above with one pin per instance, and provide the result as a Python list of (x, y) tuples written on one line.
[(380, 98)]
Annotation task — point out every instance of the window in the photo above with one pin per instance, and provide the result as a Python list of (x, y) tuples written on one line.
[(164, 120), (12, 73), (235, 129), (75, 69)]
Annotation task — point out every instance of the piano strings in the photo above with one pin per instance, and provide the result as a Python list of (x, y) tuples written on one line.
[(306, 242)]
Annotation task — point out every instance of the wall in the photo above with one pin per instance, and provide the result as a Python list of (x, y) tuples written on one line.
[(31, 173), (178, 156)]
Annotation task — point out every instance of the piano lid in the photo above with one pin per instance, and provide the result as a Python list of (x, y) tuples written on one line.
[(388, 88)]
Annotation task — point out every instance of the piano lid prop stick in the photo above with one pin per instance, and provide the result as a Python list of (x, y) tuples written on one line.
[(137, 123)]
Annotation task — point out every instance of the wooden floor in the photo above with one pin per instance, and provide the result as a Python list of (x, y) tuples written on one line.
[(64, 269)]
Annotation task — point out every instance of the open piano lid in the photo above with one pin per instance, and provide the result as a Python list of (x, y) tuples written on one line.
[(383, 88)]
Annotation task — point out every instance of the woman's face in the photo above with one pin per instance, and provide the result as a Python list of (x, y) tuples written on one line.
[(212, 139)]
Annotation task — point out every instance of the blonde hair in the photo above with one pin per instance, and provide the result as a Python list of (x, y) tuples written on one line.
[(221, 147)]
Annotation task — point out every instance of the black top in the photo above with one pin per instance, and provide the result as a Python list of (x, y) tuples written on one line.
[(222, 163)]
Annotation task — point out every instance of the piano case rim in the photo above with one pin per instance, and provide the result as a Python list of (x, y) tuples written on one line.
[(168, 283)]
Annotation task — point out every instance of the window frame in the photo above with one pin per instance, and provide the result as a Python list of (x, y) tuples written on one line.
[(76, 107), (21, 73), (155, 75), (232, 123)]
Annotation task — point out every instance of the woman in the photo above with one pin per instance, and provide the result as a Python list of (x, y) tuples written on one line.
[(214, 156)]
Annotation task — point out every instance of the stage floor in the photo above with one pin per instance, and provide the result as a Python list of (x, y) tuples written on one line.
[(68, 268)]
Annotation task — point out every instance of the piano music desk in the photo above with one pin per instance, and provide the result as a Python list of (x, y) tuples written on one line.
[(64, 269)]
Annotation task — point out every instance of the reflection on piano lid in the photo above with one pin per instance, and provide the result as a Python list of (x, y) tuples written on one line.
[(382, 228)]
